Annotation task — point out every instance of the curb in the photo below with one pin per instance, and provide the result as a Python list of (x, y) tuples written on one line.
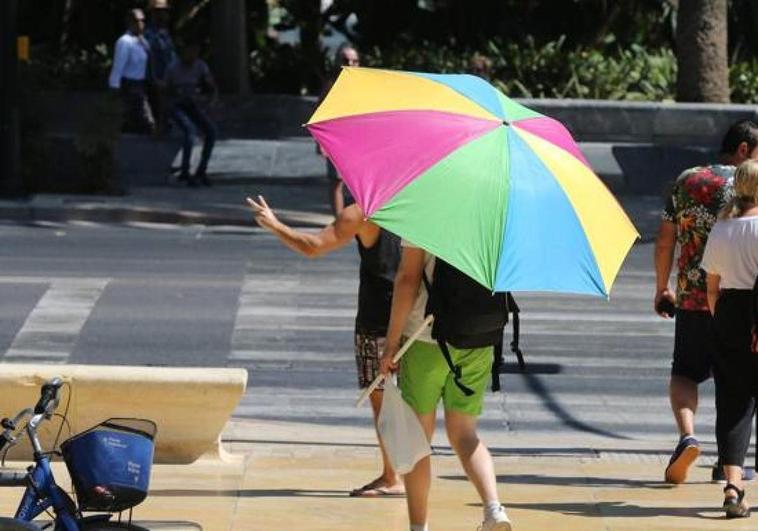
[(140, 214)]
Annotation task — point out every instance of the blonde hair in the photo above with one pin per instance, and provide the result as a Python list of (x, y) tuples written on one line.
[(745, 190)]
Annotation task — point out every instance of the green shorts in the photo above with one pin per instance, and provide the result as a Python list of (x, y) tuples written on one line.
[(425, 377)]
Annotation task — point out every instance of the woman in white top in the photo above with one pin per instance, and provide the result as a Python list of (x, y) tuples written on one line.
[(731, 263)]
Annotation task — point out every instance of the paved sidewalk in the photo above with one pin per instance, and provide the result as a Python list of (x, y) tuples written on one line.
[(297, 476), (301, 203), (298, 201)]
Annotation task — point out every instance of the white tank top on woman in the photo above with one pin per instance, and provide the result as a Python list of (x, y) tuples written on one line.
[(732, 252)]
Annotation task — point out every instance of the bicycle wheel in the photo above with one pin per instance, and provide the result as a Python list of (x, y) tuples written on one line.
[(11, 524), (110, 526)]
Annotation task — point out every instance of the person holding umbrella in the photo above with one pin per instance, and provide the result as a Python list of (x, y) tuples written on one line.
[(465, 174), (426, 379)]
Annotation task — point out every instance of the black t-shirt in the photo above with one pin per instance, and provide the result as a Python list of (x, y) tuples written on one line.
[(377, 275)]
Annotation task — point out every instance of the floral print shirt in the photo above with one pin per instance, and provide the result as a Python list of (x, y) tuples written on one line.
[(693, 206)]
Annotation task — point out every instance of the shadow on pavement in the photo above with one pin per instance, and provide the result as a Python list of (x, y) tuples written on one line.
[(539, 388), (250, 493), (577, 481), (619, 509)]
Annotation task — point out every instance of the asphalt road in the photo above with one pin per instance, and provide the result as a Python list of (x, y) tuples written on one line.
[(152, 295)]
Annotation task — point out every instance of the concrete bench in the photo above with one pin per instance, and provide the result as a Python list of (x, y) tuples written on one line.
[(189, 405)]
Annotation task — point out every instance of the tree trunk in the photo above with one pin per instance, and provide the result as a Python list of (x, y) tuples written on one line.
[(311, 26), (701, 42), (229, 52)]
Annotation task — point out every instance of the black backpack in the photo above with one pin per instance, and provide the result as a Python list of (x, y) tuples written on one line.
[(467, 315)]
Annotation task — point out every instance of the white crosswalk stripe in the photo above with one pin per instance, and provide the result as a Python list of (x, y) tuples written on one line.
[(51, 329)]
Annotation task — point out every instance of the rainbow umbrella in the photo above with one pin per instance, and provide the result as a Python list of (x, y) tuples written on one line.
[(498, 190)]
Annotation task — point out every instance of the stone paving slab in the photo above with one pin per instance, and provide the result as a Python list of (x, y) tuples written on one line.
[(295, 477)]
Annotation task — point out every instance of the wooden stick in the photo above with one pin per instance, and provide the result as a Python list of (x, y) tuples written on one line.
[(370, 389)]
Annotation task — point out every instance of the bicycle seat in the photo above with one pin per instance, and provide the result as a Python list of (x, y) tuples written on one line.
[(11, 524), (12, 477)]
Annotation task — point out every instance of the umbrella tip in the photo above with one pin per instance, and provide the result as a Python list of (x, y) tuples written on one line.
[(506, 123)]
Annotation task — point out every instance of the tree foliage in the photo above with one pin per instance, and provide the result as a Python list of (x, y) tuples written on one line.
[(559, 48)]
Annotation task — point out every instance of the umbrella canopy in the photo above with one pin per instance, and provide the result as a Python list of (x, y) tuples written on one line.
[(498, 190)]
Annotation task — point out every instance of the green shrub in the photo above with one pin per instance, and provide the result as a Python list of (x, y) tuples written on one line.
[(93, 140), (73, 69), (96, 143), (743, 80), (281, 69), (549, 70)]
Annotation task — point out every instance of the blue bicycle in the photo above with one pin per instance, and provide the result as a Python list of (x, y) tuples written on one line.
[(109, 466)]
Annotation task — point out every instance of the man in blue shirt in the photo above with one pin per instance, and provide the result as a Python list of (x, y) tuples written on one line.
[(129, 74)]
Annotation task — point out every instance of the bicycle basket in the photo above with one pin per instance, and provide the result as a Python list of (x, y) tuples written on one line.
[(110, 464)]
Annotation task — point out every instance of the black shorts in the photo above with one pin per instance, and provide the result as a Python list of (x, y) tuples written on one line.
[(694, 345)]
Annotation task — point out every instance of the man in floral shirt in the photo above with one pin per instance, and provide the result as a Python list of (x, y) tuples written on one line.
[(691, 210)]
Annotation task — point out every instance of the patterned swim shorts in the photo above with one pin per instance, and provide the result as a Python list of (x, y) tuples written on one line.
[(368, 348)]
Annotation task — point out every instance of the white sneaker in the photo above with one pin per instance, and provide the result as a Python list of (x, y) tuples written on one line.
[(499, 523)]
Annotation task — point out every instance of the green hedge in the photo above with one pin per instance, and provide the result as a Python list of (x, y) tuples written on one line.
[(549, 70), (743, 80), (528, 69)]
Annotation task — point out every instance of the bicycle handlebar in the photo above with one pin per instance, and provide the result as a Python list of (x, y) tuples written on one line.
[(46, 405), (10, 426), (49, 395)]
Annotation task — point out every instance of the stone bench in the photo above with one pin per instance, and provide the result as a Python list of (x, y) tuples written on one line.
[(190, 406)]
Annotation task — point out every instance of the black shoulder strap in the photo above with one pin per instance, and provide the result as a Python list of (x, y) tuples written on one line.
[(514, 309), (455, 369), (497, 363), (515, 343)]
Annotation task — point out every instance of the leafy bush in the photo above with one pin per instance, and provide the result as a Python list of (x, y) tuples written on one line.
[(73, 69), (89, 150), (96, 143), (549, 70), (743, 80), (281, 68)]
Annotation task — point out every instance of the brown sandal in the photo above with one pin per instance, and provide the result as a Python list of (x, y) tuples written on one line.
[(735, 506)]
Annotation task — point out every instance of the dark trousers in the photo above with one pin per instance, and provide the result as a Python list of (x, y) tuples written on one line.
[(189, 117), (138, 117), (735, 373)]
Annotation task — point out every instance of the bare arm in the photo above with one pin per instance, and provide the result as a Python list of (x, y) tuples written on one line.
[(665, 244), (407, 282), (713, 290), (338, 234)]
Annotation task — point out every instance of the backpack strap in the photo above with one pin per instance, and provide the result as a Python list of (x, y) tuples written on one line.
[(455, 369), (514, 309), (515, 344), (497, 363)]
